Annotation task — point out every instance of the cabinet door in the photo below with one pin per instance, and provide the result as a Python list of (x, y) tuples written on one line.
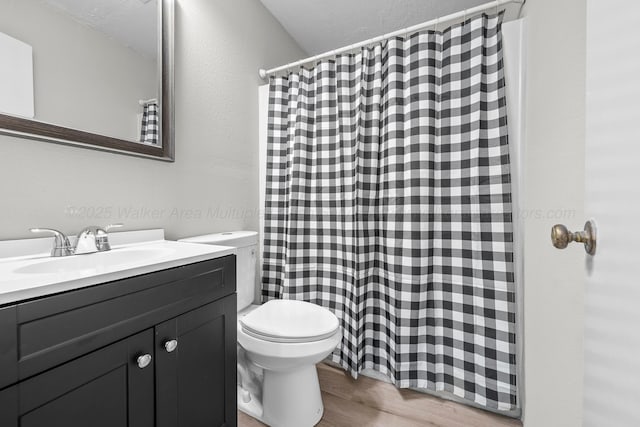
[(9, 407), (104, 388), (196, 380)]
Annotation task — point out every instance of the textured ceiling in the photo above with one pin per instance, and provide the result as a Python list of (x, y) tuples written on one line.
[(322, 25), (130, 22)]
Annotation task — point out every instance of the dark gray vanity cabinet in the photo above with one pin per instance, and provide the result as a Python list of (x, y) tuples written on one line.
[(152, 350)]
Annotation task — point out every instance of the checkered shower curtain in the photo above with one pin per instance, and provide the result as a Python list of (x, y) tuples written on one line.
[(149, 126), (389, 202)]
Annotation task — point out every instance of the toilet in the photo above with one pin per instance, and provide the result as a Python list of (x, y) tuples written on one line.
[(279, 344)]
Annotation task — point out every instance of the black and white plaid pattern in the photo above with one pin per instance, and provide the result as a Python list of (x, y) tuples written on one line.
[(389, 202), (149, 127)]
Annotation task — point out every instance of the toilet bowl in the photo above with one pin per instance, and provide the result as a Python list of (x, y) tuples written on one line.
[(287, 338), (279, 344)]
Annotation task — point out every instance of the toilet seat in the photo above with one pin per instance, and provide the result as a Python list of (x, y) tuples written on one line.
[(290, 321), (285, 340)]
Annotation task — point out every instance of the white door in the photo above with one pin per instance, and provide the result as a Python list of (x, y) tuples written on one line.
[(612, 295)]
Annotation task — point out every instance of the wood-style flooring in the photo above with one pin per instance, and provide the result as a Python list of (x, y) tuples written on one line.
[(371, 403)]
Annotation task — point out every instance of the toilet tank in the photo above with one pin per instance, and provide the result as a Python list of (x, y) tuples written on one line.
[(246, 243)]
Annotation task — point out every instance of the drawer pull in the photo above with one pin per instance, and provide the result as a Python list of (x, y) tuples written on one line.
[(143, 361), (171, 345)]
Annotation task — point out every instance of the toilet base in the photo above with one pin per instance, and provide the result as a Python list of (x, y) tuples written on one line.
[(252, 407), (292, 399)]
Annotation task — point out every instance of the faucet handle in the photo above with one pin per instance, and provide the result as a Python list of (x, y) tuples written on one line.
[(110, 226), (102, 238), (94, 239), (61, 245)]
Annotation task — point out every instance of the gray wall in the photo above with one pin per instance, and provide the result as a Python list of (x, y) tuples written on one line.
[(213, 184), (554, 193)]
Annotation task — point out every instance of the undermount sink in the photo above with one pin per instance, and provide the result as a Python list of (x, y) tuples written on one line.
[(93, 262)]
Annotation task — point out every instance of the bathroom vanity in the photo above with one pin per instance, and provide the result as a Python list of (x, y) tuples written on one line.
[(149, 342)]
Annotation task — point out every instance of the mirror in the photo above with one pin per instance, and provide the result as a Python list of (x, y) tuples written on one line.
[(92, 73)]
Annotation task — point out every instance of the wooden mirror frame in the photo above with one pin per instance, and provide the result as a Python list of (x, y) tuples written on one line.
[(34, 129)]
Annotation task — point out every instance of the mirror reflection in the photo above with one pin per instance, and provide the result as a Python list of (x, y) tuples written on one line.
[(90, 65)]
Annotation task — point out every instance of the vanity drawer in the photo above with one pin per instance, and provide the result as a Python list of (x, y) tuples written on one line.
[(55, 329)]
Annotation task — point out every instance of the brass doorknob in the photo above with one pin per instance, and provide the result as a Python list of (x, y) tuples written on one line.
[(561, 237)]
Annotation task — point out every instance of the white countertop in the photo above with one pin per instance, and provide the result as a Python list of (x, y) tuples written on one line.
[(21, 276)]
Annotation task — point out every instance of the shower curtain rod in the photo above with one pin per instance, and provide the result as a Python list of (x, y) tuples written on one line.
[(462, 14)]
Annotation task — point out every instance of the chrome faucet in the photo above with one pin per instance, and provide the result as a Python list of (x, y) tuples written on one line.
[(90, 239), (61, 245), (94, 239)]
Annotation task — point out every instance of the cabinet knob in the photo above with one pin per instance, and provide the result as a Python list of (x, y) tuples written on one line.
[(143, 361), (171, 345)]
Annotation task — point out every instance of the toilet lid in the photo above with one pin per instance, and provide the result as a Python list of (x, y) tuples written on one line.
[(290, 321)]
